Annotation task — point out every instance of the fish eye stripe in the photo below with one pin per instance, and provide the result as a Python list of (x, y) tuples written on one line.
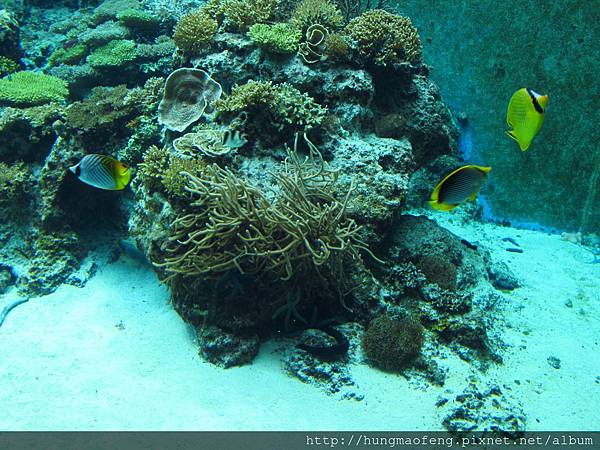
[(536, 104)]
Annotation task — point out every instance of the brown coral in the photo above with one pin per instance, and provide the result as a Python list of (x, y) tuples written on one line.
[(384, 38), (195, 31)]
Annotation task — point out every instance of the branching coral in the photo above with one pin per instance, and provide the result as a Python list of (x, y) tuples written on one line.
[(195, 31), (7, 66), (321, 12), (231, 224), (241, 14), (277, 38), (70, 55), (353, 8), (272, 109), (383, 38), (32, 88)]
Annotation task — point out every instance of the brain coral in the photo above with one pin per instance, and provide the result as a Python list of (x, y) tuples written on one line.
[(195, 31), (188, 94), (31, 88), (383, 38)]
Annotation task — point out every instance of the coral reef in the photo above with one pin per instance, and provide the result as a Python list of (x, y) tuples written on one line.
[(241, 14), (114, 54), (195, 31), (188, 94), (383, 38), (278, 38), (281, 108), (7, 66), (32, 88), (317, 12)]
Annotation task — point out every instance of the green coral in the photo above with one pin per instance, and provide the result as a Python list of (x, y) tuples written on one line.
[(141, 21), (317, 12), (271, 109), (277, 38), (7, 66), (113, 55), (32, 88), (384, 38), (71, 55), (392, 344), (195, 31)]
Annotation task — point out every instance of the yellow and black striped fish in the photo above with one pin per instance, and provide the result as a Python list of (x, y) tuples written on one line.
[(102, 172), (525, 116), (459, 186)]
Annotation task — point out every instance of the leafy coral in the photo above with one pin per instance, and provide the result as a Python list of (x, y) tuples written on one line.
[(195, 31), (317, 12), (277, 38), (32, 88), (278, 107), (114, 54), (384, 38)]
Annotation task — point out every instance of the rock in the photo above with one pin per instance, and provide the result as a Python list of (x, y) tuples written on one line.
[(226, 349), (502, 277)]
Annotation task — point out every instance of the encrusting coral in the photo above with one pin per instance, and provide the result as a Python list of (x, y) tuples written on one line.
[(384, 38)]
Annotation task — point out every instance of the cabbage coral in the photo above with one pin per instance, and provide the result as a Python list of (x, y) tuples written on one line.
[(195, 31), (383, 38), (32, 88)]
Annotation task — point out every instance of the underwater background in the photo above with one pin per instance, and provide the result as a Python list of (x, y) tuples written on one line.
[(216, 215)]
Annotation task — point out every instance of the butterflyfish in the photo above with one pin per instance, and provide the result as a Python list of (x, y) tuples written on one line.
[(525, 116), (102, 172), (234, 139), (459, 186)]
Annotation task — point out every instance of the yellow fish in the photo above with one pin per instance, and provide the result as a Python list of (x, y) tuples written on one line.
[(525, 116), (102, 172), (459, 186)]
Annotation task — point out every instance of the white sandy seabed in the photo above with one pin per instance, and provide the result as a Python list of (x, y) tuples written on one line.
[(114, 355)]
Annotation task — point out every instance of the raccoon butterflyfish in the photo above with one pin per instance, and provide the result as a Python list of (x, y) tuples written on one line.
[(102, 172), (461, 185), (234, 139), (525, 116)]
